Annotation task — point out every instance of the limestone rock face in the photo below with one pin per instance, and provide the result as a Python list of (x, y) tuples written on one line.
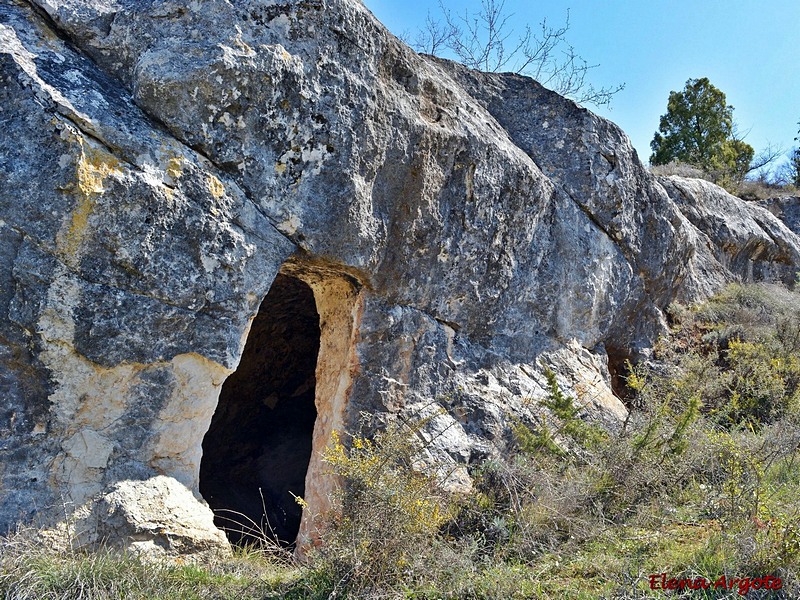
[(736, 240), (162, 162), (787, 209)]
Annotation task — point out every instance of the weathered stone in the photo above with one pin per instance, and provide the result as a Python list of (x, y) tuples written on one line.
[(787, 209), (744, 240), (156, 518), (161, 164)]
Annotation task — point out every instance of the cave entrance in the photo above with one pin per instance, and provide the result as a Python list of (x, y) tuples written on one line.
[(618, 361), (257, 450)]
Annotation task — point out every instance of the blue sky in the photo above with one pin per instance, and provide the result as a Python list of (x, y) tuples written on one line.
[(749, 49)]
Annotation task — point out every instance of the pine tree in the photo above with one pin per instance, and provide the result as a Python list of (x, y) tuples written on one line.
[(698, 130)]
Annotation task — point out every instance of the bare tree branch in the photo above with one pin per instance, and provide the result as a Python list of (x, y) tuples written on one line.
[(434, 37), (485, 40), (766, 157)]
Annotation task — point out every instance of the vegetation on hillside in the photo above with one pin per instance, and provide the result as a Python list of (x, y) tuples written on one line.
[(697, 129), (701, 483), (697, 137)]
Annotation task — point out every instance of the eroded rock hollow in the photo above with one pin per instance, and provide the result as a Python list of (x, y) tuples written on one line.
[(257, 449)]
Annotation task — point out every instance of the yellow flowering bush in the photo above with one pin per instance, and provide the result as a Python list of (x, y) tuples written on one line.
[(387, 512)]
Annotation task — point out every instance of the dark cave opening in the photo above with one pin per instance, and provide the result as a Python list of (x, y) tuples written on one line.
[(257, 449), (619, 370)]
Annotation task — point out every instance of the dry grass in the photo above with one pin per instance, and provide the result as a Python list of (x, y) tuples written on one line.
[(31, 570), (750, 190)]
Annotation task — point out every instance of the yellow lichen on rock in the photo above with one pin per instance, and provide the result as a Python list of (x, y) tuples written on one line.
[(215, 187), (175, 167), (92, 168)]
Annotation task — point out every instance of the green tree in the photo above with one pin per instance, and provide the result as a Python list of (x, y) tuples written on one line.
[(794, 163), (698, 130)]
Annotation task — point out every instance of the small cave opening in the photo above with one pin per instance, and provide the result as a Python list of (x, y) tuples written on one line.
[(258, 446), (618, 370)]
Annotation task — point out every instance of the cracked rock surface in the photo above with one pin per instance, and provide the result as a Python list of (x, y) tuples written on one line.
[(162, 162)]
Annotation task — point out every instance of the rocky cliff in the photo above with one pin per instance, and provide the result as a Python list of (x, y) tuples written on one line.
[(787, 209), (285, 192)]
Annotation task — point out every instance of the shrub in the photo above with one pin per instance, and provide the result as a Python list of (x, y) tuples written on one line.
[(750, 190), (572, 432), (383, 530), (737, 355), (761, 189), (680, 169)]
